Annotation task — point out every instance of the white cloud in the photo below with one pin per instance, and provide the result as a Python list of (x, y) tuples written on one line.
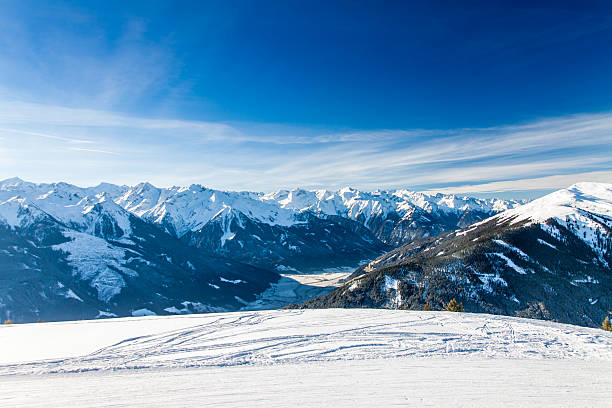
[(541, 183), (51, 141), (80, 149), (43, 135)]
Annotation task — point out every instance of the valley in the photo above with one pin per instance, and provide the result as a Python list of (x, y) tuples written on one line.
[(296, 288)]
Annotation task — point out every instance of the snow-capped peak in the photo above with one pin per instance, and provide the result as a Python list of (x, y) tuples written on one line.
[(11, 182), (593, 198), (358, 205), (585, 209), (15, 212), (184, 209)]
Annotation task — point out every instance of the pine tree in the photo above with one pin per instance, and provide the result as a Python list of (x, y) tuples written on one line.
[(454, 306), (606, 325)]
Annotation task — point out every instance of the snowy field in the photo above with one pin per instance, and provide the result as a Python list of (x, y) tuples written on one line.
[(330, 357)]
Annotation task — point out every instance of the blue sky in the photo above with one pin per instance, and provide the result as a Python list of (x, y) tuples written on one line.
[(505, 98)]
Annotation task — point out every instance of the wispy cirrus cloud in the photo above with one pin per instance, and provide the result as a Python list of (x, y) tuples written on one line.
[(43, 135), (81, 149), (526, 184), (87, 146)]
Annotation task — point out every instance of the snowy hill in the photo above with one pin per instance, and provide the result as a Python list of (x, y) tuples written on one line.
[(306, 356), (287, 336), (585, 209), (548, 259)]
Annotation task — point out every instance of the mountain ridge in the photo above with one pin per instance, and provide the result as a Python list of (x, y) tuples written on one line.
[(183, 209), (116, 248), (547, 259)]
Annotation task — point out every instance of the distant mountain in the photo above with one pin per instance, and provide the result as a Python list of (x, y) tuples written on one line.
[(253, 228), (300, 229), (395, 217), (68, 256), (72, 252), (549, 259)]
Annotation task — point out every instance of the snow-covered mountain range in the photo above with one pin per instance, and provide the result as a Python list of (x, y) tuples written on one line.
[(263, 229), (394, 217), (73, 252), (550, 258)]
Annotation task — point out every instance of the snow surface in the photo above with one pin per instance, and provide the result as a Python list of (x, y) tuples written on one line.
[(511, 263), (287, 336), (91, 257), (143, 312), (71, 295), (513, 249), (327, 357), (541, 241), (391, 284), (233, 281), (490, 281), (373, 383)]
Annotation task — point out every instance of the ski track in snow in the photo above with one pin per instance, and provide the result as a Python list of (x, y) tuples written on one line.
[(266, 338)]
